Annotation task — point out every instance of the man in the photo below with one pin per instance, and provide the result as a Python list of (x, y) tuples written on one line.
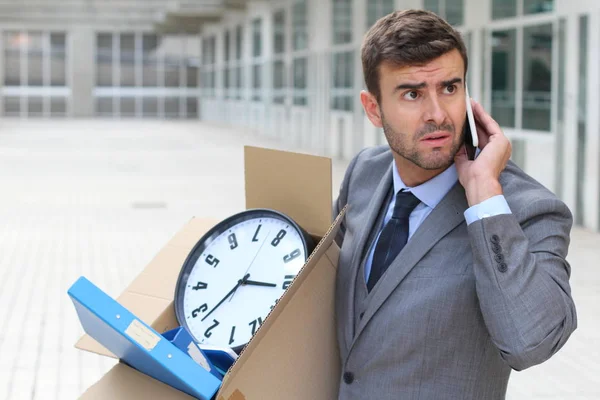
[(481, 286)]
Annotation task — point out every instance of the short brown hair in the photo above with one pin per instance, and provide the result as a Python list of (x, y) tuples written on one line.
[(409, 37)]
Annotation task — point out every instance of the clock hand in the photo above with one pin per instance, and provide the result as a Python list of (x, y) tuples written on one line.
[(256, 283), (239, 283), (256, 255)]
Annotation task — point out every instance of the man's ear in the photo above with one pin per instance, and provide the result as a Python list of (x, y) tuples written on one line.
[(371, 107)]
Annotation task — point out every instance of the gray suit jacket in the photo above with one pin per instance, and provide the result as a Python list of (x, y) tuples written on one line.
[(461, 305)]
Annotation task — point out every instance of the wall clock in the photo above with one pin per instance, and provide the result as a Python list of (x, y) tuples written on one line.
[(236, 273)]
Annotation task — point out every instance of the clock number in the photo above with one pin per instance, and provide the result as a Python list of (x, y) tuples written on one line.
[(255, 238), (199, 310), (208, 332), (288, 281), (255, 324), (211, 260), (294, 254), (232, 241), (200, 285), (273, 306), (231, 336), (278, 238)]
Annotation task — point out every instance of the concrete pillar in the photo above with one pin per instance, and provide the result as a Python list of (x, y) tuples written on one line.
[(359, 20), (591, 185), (81, 54), (319, 79), (569, 147)]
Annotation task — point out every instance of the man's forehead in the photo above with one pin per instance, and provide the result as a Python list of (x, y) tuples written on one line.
[(442, 68)]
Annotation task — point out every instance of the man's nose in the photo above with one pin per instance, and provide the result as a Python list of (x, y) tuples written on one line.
[(434, 112)]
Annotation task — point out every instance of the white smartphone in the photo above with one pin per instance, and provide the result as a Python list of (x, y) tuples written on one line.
[(471, 139)]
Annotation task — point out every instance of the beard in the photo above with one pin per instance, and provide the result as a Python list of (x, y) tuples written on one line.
[(435, 159)]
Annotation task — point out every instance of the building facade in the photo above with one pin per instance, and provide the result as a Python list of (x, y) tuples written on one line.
[(291, 70)]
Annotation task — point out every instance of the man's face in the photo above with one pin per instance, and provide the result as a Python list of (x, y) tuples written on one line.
[(422, 110)]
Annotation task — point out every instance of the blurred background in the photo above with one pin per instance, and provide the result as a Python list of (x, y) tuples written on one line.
[(122, 119)]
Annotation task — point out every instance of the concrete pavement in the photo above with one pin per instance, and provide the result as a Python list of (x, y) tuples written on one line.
[(100, 198)]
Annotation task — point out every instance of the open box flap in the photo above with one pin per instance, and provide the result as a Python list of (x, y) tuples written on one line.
[(298, 185)]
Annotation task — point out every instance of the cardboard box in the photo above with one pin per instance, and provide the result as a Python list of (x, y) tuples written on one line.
[(294, 354)]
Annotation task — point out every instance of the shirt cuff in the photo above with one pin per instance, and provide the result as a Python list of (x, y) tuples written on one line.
[(488, 208)]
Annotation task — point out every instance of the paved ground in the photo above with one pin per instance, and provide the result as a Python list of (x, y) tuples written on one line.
[(100, 198)]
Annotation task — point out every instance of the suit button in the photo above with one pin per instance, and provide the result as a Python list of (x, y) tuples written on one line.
[(495, 239), (362, 314), (502, 267), (496, 248), (499, 258), (348, 377)]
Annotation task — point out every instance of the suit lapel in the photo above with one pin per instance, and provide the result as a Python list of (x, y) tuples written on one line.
[(448, 214), (369, 219)]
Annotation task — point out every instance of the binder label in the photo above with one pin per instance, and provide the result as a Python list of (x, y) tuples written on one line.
[(142, 335)]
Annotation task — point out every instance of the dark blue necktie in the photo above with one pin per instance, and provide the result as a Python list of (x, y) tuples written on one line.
[(393, 237)]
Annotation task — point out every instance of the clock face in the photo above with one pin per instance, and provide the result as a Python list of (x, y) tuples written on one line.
[(236, 274)]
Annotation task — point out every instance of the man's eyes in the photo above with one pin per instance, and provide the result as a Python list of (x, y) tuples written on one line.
[(411, 95), (450, 89), (414, 95)]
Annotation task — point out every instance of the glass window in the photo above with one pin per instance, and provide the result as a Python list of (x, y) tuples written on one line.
[(173, 53), (238, 78), (432, 5), (150, 44), (238, 42), (454, 12), (58, 106), (150, 107), (58, 52), (377, 9), (192, 61), (34, 46), (12, 106), (343, 78), (191, 108), (104, 106), (12, 62), (537, 77), (279, 81), (503, 77), (300, 74), (104, 59), (172, 107), (504, 9), (299, 25), (537, 6), (226, 82), (342, 70), (342, 21), (226, 46), (256, 38), (451, 10), (127, 58), (127, 106), (279, 32), (256, 82), (35, 106)]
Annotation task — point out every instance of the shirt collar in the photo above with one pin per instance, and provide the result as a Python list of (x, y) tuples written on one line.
[(432, 191)]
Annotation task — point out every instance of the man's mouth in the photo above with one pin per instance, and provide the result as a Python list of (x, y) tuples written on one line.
[(436, 139)]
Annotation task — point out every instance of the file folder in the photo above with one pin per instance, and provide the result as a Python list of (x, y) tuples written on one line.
[(138, 345)]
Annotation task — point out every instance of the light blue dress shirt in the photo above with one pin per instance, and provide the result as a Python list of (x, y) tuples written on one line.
[(431, 193)]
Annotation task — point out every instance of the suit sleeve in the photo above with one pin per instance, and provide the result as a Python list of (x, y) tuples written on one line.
[(342, 198), (522, 280)]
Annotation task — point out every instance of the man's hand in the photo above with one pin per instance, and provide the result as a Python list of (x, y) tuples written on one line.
[(480, 177)]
